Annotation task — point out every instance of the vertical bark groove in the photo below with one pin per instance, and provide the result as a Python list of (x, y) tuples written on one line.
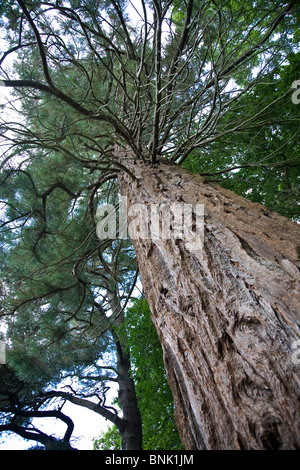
[(227, 314)]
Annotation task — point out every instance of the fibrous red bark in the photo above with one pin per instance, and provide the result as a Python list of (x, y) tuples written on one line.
[(227, 313)]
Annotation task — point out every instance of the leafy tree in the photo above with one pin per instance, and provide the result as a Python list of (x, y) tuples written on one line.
[(16, 395), (110, 440), (63, 326)]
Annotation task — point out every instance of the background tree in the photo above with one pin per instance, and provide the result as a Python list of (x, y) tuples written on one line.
[(16, 414), (63, 326), (152, 389), (153, 393), (175, 86)]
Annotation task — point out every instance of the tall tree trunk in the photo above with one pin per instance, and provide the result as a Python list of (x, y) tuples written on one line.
[(226, 313), (131, 428), (131, 431)]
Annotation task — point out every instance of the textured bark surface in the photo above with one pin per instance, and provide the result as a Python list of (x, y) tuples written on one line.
[(227, 314)]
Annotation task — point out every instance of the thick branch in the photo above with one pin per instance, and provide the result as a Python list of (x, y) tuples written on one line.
[(39, 42), (101, 410), (50, 414), (37, 436), (99, 116)]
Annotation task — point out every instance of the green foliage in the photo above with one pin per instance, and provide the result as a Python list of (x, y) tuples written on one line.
[(265, 159), (109, 440)]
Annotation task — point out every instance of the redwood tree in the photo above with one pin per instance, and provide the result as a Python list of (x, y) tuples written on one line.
[(155, 93)]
